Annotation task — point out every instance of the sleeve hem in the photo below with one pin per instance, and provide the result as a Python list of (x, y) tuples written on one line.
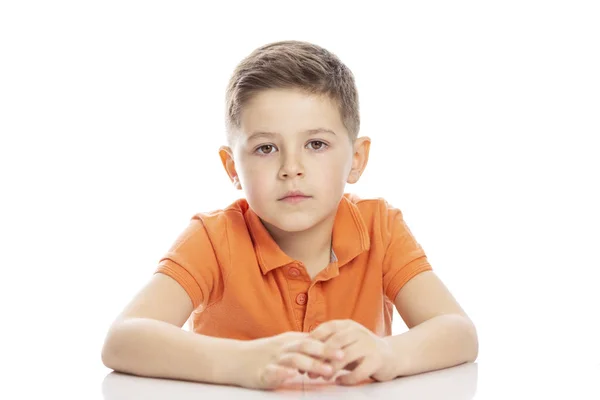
[(405, 274), (184, 278)]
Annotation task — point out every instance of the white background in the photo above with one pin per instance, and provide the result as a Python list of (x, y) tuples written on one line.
[(484, 117)]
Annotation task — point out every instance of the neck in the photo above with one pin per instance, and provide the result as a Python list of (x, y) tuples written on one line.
[(308, 245)]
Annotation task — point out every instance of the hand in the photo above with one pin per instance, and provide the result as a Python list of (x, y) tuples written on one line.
[(365, 354), (266, 363)]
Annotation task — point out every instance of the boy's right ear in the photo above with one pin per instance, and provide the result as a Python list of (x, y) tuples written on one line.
[(226, 155)]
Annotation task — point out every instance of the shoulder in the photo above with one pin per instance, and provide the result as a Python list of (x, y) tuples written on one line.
[(380, 218), (373, 208), (221, 220)]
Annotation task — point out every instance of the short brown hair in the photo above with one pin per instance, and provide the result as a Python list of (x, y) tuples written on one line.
[(295, 65)]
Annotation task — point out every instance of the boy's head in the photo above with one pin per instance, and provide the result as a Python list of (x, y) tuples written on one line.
[(292, 121), (297, 65)]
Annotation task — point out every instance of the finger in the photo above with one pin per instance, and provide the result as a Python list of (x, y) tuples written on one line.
[(325, 330), (360, 374), (326, 377), (312, 375), (353, 353), (274, 375), (344, 338), (306, 363), (292, 335), (314, 348)]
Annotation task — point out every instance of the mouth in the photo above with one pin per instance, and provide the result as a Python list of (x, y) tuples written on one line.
[(294, 197)]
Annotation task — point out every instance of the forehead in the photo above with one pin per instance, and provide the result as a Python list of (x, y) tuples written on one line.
[(288, 111)]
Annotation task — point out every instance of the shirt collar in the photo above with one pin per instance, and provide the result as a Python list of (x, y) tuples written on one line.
[(349, 239)]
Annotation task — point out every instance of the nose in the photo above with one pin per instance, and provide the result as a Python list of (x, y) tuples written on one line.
[(291, 166)]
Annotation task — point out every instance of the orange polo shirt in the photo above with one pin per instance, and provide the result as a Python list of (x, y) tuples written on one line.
[(243, 286)]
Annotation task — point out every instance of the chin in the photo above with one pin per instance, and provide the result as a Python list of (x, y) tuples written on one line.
[(293, 223)]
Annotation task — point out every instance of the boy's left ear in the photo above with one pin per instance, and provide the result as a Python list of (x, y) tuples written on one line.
[(360, 157)]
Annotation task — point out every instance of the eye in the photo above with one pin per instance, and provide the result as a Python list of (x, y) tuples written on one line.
[(317, 145), (265, 149)]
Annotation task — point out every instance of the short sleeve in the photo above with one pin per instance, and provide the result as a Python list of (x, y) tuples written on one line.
[(404, 257), (192, 262)]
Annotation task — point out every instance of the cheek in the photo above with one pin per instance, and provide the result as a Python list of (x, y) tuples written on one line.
[(246, 170), (331, 180), (336, 171), (255, 179), (330, 177)]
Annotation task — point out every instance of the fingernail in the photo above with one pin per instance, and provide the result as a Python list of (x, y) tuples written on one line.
[(339, 354), (326, 369)]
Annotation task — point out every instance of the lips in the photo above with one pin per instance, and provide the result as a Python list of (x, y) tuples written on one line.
[(294, 195)]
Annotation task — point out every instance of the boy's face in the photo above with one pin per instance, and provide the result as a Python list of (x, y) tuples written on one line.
[(290, 141)]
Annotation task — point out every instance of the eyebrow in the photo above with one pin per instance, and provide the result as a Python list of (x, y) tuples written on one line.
[(315, 131)]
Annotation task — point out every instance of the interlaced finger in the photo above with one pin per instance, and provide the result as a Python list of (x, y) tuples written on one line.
[(306, 363), (314, 348)]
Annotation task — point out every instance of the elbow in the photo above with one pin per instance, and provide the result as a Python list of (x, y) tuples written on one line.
[(108, 354), (111, 349), (466, 340), (472, 341)]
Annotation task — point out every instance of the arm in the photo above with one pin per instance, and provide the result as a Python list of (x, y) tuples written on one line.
[(146, 347), (440, 333), (147, 339)]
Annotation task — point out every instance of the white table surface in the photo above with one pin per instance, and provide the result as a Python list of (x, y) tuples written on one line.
[(468, 381), (456, 383), (67, 371)]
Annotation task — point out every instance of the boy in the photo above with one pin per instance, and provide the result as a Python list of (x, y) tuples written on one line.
[(298, 276)]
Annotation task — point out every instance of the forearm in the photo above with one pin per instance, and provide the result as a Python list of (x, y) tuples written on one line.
[(441, 342), (153, 348)]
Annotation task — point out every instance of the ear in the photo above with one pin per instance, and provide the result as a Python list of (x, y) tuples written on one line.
[(226, 155), (360, 157)]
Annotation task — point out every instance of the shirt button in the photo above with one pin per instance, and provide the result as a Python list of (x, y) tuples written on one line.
[(293, 272), (301, 299)]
